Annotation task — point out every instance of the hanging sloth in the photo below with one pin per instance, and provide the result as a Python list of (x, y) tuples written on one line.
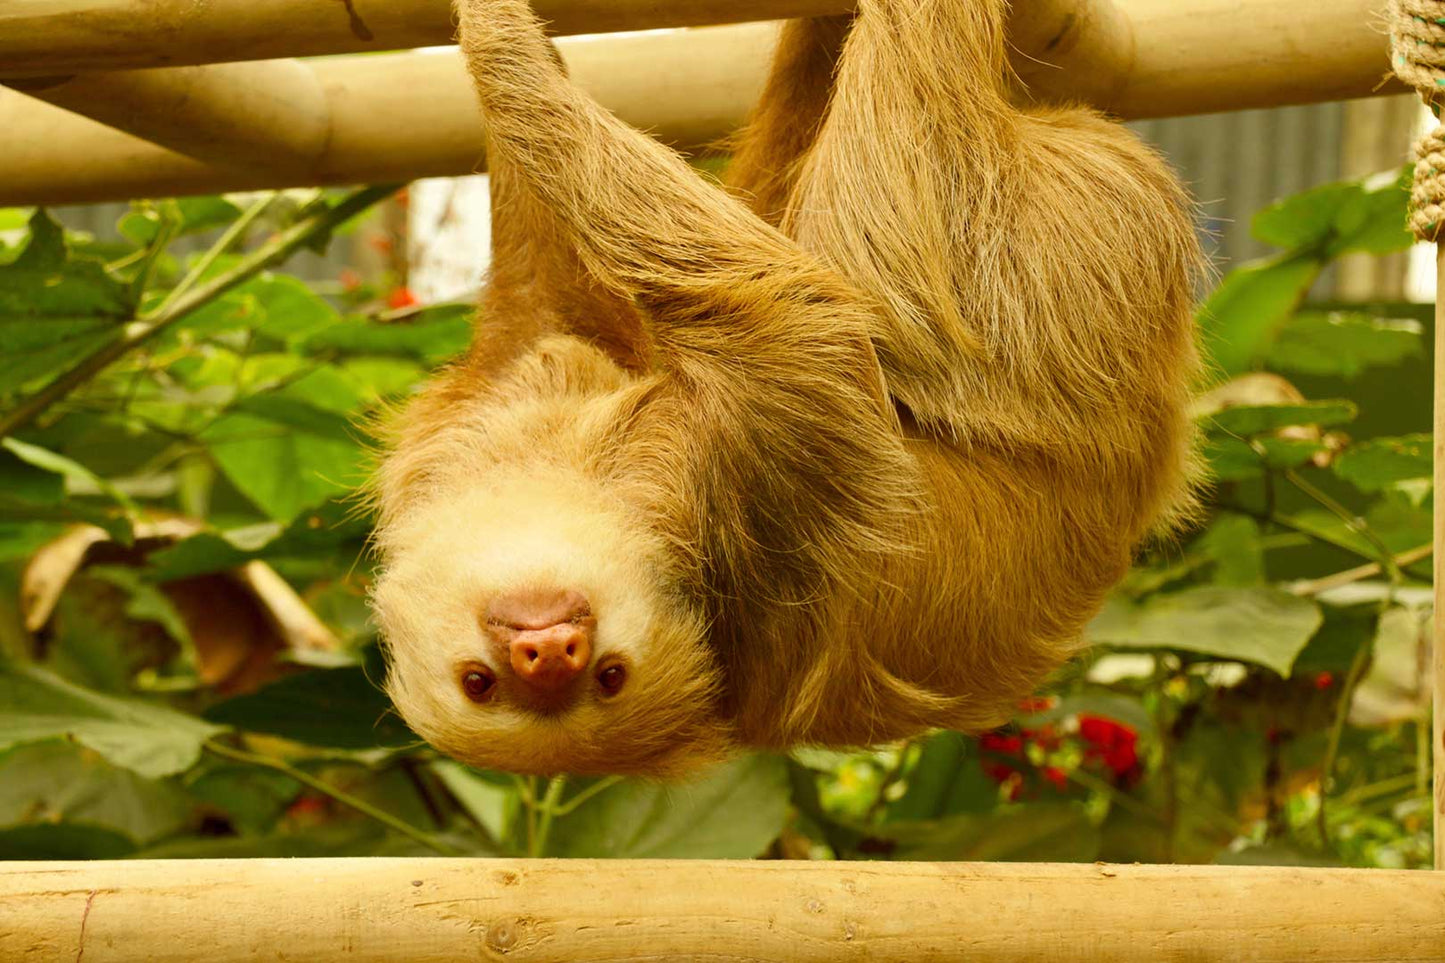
[(849, 450)]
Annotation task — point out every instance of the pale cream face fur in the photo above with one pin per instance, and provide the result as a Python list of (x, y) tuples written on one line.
[(490, 532)]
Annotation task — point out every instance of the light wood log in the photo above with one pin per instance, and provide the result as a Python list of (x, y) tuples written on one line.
[(1140, 57), (444, 910), (394, 117), (42, 37), (1437, 674), (400, 116), (268, 114)]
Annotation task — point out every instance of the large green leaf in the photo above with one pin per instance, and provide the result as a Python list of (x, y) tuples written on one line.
[(1342, 343), (325, 707), (735, 811), (1246, 420), (50, 841), (322, 533), (1056, 832), (1264, 626), (149, 739), (1306, 219), (1382, 463), (1234, 459), (61, 782), (1239, 320), (947, 779), (283, 468), (54, 307), (432, 335)]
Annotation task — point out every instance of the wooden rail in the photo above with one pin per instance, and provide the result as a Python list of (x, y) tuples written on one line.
[(400, 116), (444, 910)]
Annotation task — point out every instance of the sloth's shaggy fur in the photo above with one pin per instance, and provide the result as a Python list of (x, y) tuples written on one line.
[(849, 450)]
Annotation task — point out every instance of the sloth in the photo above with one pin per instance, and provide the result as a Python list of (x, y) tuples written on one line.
[(847, 448)]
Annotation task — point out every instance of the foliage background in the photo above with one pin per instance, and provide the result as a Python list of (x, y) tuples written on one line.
[(187, 669)]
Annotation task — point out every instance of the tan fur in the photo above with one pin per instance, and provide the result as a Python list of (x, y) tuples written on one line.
[(857, 462)]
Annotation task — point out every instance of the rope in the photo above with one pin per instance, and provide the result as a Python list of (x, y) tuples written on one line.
[(1417, 51)]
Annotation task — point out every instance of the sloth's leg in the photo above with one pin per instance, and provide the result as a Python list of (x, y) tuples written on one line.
[(781, 130)]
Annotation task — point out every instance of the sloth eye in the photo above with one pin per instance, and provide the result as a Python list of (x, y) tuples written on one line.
[(611, 679), (477, 684)]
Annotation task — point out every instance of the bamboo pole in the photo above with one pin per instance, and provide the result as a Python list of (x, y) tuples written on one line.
[(270, 114), (44, 37), (394, 117), (400, 116), (1141, 57), (442, 910)]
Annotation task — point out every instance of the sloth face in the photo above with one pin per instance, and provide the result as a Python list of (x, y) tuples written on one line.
[(528, 611)]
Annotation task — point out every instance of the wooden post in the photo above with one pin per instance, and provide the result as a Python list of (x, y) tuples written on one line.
[(1437, 741), (388, 910)]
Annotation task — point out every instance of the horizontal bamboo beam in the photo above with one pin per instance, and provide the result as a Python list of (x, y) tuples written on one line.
[(268, 114), (400, 116), (43, 37), (1137, 57), (441, 910), (393, 117)]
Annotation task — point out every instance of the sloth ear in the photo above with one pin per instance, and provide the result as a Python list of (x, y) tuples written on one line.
[(537, 286)]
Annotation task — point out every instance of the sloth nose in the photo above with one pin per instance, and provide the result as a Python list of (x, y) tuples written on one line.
[(547, 634), (550, 658)]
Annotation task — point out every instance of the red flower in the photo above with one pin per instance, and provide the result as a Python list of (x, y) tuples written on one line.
[(400, 298), (349, 279), (1324, 680), (1056, 776), (1001, 744), (1110, 742)]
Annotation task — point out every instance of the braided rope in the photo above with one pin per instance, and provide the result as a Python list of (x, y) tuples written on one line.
[(1417, 52)]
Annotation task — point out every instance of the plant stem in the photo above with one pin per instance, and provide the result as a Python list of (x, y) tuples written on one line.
[(548, 809), (1337, 731), (223, 244), (575, 803), (151, 323), (1385, 557), (1351, 575), (345, 798)]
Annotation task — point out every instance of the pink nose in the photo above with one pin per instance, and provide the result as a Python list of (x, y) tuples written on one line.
[(550, 658), (547, 633)]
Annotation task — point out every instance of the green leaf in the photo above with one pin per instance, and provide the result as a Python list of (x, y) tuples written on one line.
[(1055, 832), (1373, 220), (61, 782), (1382, 463), (54, 307), (1304, 220), (328, 707), (22, 481), (1234, 459), (1247, 420), (1234, 543), (283, 470), (1239, 320), (734, 811), (494, 805), (432, 335), (1343, 343), (72, 471), (947, 779), (52, 841), (291, 310), (149, 739), (315, 534), (1264, 626)]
